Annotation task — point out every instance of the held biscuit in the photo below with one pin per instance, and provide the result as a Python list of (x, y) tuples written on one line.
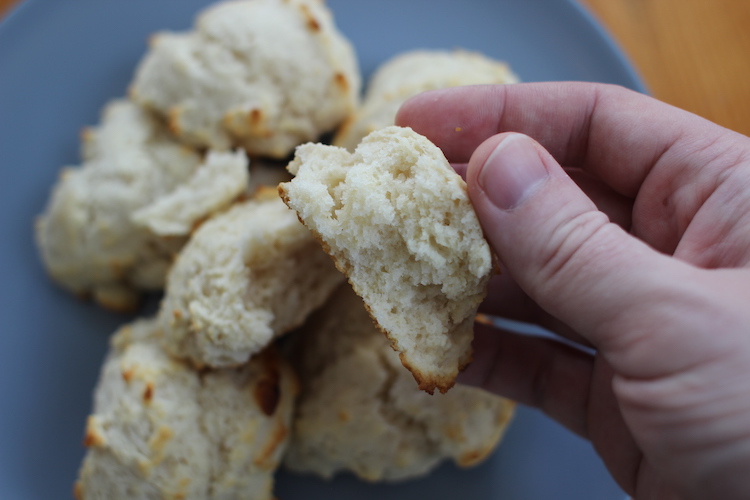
[(112, 225), (265, 75), (160, 429), (360, 411), (397, 221), (411, 73), (247, 276)]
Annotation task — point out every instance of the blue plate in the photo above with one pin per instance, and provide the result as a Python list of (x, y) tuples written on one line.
[(61, 61)]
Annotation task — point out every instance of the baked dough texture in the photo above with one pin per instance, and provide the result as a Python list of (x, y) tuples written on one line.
[(113, 224), (397, 221), (360, 411), (160, 429), (265, 75), (411, 73), (246, 277)]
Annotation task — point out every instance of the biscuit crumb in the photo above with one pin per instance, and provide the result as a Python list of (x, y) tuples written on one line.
[(148, 393), (312, 23)]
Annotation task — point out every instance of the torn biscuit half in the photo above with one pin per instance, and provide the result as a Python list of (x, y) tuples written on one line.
[(397, 221)]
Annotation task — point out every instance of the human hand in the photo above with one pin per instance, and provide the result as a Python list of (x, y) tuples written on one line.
[(639, 247)]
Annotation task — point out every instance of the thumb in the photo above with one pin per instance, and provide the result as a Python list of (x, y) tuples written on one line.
[(562, 251)]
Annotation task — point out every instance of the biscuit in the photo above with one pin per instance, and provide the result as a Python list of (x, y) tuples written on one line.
[(160, 429), (360, 411), (413, 72), (265, 75), (397, 221), (113, 224), (247, 276)]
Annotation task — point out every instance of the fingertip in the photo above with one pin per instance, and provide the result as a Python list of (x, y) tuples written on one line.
[(456, 119), (412, 110), (426, 115)]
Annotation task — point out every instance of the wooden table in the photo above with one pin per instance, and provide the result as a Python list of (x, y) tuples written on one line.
[(694, 54)]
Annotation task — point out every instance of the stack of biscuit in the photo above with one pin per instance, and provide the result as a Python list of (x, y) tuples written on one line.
[(177, 192)]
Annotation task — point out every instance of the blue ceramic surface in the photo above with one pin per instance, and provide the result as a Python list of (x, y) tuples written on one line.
[(60, 61)]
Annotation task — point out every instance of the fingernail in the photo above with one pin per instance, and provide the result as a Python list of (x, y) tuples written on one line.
[(512, 171)]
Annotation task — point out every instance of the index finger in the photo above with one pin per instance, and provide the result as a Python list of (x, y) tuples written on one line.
[(614, 133)]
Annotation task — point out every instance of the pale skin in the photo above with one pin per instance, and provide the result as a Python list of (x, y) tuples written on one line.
[(637, 246)]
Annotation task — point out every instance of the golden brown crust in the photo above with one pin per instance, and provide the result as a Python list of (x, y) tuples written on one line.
[(87, 134), (344, 128), (470, 458), (268, 392), (198, 223), (117, 303), (341, 81), (93, 437), (312, 23), (173, 121), (267, 192), (78, 490), (277, 438), (160, 439), (256, 123), (127, 375), (148, 393)]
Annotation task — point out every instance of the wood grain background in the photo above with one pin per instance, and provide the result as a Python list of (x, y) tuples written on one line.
[(694, 54)]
